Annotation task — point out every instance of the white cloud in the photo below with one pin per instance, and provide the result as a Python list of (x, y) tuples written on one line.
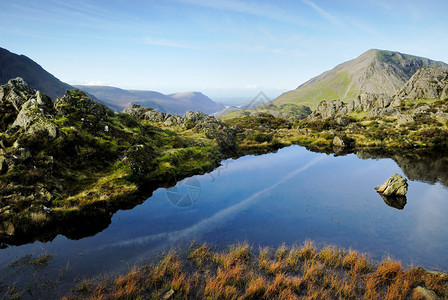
[(90, 82), (324, 13), (251, 86)]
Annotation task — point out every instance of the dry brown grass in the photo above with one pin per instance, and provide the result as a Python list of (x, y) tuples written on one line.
[(284, 273)]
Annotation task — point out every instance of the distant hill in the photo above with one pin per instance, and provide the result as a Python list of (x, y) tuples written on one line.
[(13, 65), (375, 71), (177, 103)]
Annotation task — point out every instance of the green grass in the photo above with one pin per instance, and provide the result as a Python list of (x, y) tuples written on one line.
[(312, 95)]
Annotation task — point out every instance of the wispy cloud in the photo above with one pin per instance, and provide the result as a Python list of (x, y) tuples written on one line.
[(324, 13), (215, 221), (168, 43), (250, 8)]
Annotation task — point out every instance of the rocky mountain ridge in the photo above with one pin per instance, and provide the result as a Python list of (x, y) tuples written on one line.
[(380, 121), (373, 72), (13, 65), (426, 83)]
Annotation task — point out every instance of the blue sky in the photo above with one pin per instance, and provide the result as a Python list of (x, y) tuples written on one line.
[(224, 48)]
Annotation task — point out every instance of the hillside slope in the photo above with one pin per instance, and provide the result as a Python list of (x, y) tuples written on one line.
[(13, 65), (375, 71)]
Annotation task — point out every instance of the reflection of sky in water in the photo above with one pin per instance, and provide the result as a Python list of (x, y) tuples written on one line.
[(287, 196)]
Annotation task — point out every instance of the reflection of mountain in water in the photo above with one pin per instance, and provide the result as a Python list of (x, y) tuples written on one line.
[(431, 167)]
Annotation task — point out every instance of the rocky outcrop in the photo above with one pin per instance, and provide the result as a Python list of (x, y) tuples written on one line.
[(379, 103), (426, 83), (396, 185), (77, 102), (210, 126)]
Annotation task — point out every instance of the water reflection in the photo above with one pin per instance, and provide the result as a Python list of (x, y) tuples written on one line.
[(421, 165), (430, 167), (398, 202), (283, 197)]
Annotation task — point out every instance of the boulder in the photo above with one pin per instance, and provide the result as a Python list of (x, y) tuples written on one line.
[(396, 185), (339, 142), (137, 111), (421, 110), (367, 101), (33, 119), (405, 119), (154, 116), (172, 120), (424, 293), (378, 112), (328, 109), (441, 116)]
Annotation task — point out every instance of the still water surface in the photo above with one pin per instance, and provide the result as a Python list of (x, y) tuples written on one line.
[(283, 197)]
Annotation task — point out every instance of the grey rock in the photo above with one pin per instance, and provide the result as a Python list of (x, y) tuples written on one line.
[(426, 83), (396, 185), (137, 111), (33, 119), (339, 142), (154, 116), (405, 119), (364, 102), (77, 101), (421, 110), (172, 120), (441, 116), (328, 109), (424, 293), (342, 121), (382, 112)]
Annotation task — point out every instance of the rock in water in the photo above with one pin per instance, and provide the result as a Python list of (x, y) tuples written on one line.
[(396, 185)]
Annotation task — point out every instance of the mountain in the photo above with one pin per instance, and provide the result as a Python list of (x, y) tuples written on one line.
[(178, 103), (13, 65), (375, 71)]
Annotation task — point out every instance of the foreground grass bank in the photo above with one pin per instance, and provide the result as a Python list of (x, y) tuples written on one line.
[(244, 272)]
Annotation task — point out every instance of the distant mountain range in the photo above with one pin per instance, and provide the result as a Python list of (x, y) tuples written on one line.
[(13, 65), (178, 103), (375, 71)]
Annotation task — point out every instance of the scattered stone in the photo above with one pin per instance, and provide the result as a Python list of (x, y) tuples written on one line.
[(396, 185), (168, 294), (421, 110), (328, 109), (405, 119), (342, 121), (421, 292), (339, 142)]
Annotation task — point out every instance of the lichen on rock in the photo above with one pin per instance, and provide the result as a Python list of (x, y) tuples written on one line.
[(396, 185)]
